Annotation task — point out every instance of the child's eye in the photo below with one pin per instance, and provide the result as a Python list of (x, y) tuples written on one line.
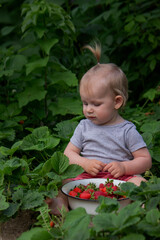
[(84, 103), (97, 104)]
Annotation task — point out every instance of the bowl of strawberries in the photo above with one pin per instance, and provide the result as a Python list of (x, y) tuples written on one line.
[(84, 193)]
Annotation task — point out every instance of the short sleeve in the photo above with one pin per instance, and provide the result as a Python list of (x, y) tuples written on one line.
[(76, 139), (134, 139)]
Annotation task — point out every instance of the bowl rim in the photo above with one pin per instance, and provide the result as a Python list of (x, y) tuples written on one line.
[(90, 200)]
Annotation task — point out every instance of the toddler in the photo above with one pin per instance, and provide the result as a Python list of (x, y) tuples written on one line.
[(104, 144)]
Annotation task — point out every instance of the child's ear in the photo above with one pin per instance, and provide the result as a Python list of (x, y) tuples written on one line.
[(118, 102)]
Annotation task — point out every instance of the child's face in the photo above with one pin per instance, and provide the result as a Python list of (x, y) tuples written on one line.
[(98, 105)]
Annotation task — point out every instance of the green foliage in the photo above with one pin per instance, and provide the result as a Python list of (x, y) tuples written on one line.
[(35, 234), (41, 64), (138, 219), (27, 181)]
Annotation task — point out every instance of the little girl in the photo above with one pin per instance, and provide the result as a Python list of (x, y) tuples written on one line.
[(104, 144)]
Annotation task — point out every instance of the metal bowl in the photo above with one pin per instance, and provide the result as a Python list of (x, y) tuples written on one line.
[(90, 205)]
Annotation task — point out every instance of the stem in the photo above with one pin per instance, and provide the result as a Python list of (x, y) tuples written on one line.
[(45, 100), (42, 157), (145, 103)]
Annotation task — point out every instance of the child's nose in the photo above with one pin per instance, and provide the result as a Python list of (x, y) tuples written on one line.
[(89, 108)]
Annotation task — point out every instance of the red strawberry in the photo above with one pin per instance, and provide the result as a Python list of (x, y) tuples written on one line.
[(109, 184), (115, 188), (103, 189), (73, 193), (52, 224), (101, 185), (99, 193), (85, 195), (89, 190), (77, 190)]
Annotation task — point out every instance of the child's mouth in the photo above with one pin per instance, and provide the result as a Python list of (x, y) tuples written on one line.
[(91, 118)]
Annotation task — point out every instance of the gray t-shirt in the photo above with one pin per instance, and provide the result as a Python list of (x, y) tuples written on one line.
[(107, 143)]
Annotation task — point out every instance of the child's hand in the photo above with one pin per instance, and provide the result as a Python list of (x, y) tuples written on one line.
[(117, 169), (93, 166)]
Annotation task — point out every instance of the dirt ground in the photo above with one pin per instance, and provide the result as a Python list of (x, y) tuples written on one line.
[(13, 228)]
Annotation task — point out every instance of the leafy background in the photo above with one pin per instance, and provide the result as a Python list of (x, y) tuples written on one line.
[(40, 68)]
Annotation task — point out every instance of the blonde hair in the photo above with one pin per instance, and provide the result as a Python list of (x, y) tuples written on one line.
[(115, 78)]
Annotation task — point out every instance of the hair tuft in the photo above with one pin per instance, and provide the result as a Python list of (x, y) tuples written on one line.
[(96, 50)]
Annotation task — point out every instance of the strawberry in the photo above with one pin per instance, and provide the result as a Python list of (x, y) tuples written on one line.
[(99, 193), (73, 193), (101, 185), (89, 190), (85, 195), (77, 190), (104, 189), (115, 188), (52, 224), (109, 184)]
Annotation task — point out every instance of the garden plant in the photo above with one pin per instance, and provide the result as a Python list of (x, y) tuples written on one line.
[(40, 68)]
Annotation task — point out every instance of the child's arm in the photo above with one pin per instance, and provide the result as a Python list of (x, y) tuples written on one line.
[(91, 166), (141, 162)]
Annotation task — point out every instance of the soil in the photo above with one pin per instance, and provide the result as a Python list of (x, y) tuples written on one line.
[(13, 228)]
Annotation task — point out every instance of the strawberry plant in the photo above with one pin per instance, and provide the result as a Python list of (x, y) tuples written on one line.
[(139, 219), (26, 181)]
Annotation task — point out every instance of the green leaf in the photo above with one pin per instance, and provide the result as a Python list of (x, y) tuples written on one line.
[(153, 216), (104, 221), (47, 44), (7, 30), (4, 205), (133, 236), (10, 111), (140, 18), (33, 92), (30, 67), (39, 140), (127, 187), (8, 134), (59, 162), (12, 209), (43, 235), (65, 129), (148, 137), (40, 31), (17, 62), (46, 167), (65, 106), (32, 199), (156, 154), (35, 234), (76, 225), (115, 223), (52, 187), (148, 228), (152, 127), (1, 177), (11, 165), (25, 179), (73, 170), (66, 77), (107, 205), (17, 195), (150, 94), (9, 152), (56, 177), (128, 27), (153, 202), (153, 64)]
